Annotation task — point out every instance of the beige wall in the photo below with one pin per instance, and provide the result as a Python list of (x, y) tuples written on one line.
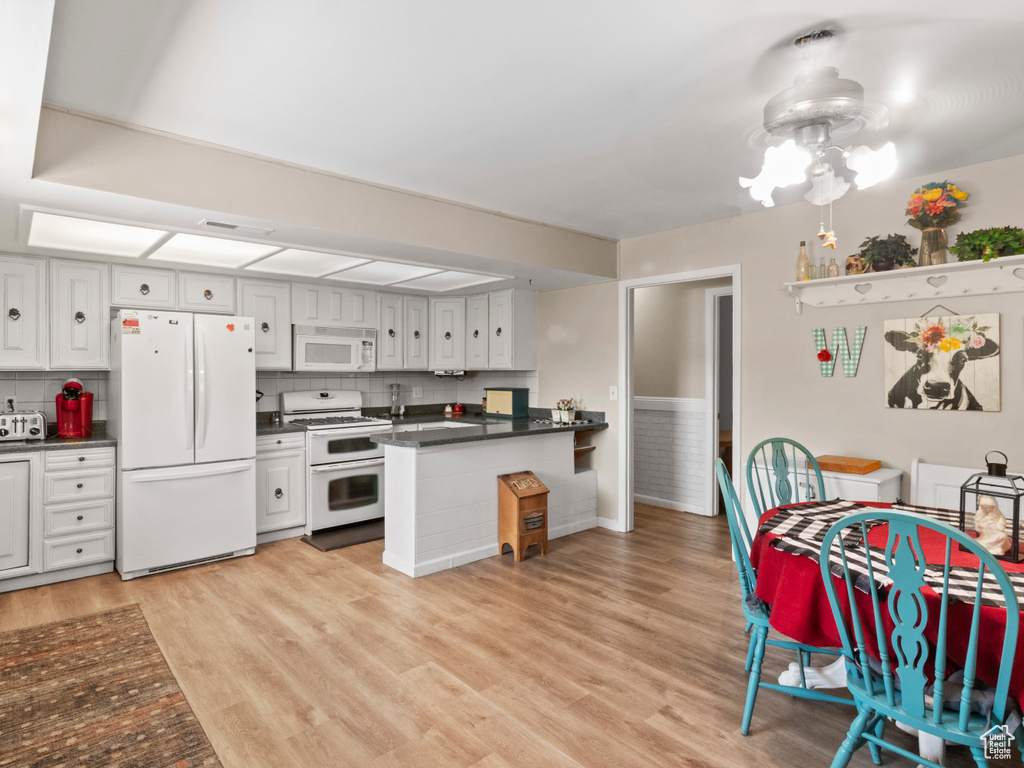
[(668, 352), (578, 345), (782, 390)]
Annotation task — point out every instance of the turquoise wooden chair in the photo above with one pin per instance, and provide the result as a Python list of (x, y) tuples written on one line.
[(756, 612), (781, 471), (896, 686)]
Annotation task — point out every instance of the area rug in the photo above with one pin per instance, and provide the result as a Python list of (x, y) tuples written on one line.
[(94, 691), (345, 536)]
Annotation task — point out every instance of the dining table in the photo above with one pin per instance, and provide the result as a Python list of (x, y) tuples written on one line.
[(785, 554)]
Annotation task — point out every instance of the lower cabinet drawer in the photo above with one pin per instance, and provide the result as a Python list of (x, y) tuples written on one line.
[(74, 486), (78, 550), (71, 518)]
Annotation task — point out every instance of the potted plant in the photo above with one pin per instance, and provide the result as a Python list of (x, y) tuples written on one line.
[(565, 411), (880, 255), (991, 243), (932, 208)]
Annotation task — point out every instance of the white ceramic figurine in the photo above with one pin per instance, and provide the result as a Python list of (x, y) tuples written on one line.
[(990, 524)]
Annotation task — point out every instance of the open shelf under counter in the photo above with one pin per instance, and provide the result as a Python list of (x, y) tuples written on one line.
[(942, 281)]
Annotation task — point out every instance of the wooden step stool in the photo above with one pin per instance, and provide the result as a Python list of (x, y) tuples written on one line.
[(522, 513)]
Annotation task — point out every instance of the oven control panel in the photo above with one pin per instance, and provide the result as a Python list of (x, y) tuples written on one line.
[(22, 425)]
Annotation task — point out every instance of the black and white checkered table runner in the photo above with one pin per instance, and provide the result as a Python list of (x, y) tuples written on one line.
[(801, 531)]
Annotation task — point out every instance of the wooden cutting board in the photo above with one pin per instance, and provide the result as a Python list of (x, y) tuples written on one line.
[(848, 465)]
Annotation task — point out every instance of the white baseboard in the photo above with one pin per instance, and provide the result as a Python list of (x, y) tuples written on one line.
[(611, 525), (576, 527), (284, 533), (696, 509)]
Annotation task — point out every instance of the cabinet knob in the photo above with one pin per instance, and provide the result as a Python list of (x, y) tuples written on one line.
[(79, 485), (447, 334), (79, 550), (81, 458), (415, 334), (498, 331), (391, 332), (14, 314), (207, 294), (79, 317), (144, 289), (265, 327), (279, 493), (81, 517), (476, 334), (279, 442)]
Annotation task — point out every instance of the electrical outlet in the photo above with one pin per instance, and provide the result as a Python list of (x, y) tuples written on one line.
[(10, 403), (417, 391), (613, 393)]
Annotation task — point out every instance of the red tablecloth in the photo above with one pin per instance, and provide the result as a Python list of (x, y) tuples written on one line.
[(791, 584)]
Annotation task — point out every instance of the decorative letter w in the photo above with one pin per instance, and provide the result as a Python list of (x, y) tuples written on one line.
[(850, 358)]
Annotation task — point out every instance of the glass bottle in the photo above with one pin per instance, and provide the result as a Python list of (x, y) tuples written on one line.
[(833, 268), (822, 270), (803, 264)]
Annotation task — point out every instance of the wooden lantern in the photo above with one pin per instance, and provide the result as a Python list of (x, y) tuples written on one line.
[(522, 513)]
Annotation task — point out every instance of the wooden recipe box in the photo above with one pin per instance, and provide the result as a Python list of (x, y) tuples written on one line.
[(522, 513)]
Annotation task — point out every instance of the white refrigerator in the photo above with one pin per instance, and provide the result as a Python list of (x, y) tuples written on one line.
[(182, 405)]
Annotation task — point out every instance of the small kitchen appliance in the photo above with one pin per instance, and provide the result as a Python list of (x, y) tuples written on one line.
[(22, 425), (346, 470), (74, 410)]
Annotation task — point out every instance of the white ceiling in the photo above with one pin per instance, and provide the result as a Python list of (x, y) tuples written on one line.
[(611, 118)]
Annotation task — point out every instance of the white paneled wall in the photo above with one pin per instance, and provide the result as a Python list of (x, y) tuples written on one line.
[(669, 452)]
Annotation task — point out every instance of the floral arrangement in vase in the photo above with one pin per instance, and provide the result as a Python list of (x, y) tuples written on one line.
[(564, 411), (935, 205)]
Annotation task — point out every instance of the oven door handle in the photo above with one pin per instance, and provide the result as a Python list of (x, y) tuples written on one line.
[(347, 465)]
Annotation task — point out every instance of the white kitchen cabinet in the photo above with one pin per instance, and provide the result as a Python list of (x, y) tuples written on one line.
[(78, 508), (270, 304), (390, 350), (79, 315), (280, 482), (24, 312), (512, 329), (143, 287), (336, 307), (477, 323), (416, 336), (14, 514), (200, 292), (448, 334)]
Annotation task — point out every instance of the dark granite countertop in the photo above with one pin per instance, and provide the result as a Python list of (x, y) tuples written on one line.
[(99, 439), (452, 430)]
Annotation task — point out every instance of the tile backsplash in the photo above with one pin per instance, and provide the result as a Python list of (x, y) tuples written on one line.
[(36, 390)]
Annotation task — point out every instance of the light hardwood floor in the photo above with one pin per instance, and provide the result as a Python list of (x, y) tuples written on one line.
[(614, 650)]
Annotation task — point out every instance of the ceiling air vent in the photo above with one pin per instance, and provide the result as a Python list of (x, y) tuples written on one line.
[(240, 229)]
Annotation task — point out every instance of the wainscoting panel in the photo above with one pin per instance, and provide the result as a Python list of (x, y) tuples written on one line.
[(669, 452)]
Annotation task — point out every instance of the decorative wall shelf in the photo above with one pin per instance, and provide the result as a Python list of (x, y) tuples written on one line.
[(944, 281)]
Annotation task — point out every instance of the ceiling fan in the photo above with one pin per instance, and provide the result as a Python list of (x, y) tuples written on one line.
[(810, 117)]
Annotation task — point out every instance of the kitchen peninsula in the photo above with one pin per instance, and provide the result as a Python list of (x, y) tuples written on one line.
[(441, 485)]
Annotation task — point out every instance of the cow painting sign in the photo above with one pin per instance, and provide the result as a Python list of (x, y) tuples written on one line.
[(943, 363)]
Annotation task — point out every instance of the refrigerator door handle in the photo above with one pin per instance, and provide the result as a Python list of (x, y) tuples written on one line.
[(200, 388), (184, 474), (190, 384)]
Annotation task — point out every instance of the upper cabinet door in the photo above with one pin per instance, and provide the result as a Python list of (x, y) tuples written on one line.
[(501, 330), (448, 334), (79, 315), (143, 287), (270, 305), (22, 282), (476, 333), (336, 307), (206, 293), (389, 334), (416, 335)]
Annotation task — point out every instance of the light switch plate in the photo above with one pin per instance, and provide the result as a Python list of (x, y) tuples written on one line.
[(8, 403), (613, 393), (417, 391)]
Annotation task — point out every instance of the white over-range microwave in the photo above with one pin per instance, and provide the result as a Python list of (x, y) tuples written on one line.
[(333, 350)]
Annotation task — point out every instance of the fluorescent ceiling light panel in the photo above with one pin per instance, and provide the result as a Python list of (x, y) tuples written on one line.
[(449, 281), (383, 273), (211, 251), (293, 261), (66, 233)]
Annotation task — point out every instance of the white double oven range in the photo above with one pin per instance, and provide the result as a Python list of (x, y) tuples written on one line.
[(346, 469)]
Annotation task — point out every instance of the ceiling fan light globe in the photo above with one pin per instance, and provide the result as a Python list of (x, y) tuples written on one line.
[(783, 165), (870, 166)]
